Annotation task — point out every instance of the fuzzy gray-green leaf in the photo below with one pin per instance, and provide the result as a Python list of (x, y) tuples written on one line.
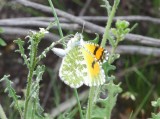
[(2, 42), (11, 93)]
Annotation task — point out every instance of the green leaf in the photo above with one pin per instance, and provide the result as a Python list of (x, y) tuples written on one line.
[(156, 103), (19, 42), (11, 93), (108, 67), (2, 42), (154, 116), (21, 50), (110, 78), (122, 24), (71, 114), (121, 30), (107, 6), (35, 110), (96, 40), (98, 113), (1, 30), (116, 56), (109, 102)]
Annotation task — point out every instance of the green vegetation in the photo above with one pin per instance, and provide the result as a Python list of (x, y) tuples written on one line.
[(139, 84)]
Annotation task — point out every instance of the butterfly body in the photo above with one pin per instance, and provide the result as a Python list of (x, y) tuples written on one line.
[(82, 63)]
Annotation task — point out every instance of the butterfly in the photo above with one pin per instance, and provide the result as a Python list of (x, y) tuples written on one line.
[(82, 63)]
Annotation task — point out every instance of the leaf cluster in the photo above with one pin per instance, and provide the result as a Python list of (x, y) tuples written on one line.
[(156, 104), (104, 106), (35, 111), (12, 93)]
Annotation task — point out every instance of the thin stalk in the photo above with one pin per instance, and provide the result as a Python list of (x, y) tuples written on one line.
[(79, 105), (110, 60), (110, 99), (142, 103), (29, 80), (61, 35), (48, 49), (33, 110), (56, 18), (28, 93), (130, 115), (90, 102), (19, 109), (106, 34), (2, 113)]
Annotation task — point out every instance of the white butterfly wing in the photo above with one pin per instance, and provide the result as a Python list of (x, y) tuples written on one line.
[(72, 68)]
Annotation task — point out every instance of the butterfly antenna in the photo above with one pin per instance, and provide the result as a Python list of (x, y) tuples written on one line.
[(83, 27)]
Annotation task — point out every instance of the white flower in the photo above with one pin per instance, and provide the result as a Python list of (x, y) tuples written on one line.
[(42, 30), (32, 32)]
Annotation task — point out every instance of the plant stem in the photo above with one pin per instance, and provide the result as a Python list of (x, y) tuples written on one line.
[(110, 101), (2, 113), (110, 60), (61, 35), (48, 49), (90, 102), (79, 105), (106, 34), (28, 93), (33, 110), (142, 103), (30, 75), (57, 20)]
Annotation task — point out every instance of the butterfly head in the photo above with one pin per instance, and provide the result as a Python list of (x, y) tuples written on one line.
[(75, 40)]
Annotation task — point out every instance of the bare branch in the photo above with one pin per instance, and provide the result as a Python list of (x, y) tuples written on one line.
[(31, 23), (122, 49), (50, 85), (73, 18), (143, 39), (93, 27), (93, 18), (140, 64), (127, 18), (68, 104), (82, 12), (24, 32), (46, 19), (141, 50)]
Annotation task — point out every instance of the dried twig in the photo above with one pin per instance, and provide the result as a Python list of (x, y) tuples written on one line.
[(93, 18), (122, 49), (82, 12), (24, 32), (73, 18), (138, 65), (46, 19), (93, 27), (68, 104), (31, 23), (142, 50), (2, 113), (127, 18), (143, 39), (48, 90)]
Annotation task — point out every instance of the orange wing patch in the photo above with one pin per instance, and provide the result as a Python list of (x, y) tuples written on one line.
[(96, 50), (92, 54)]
